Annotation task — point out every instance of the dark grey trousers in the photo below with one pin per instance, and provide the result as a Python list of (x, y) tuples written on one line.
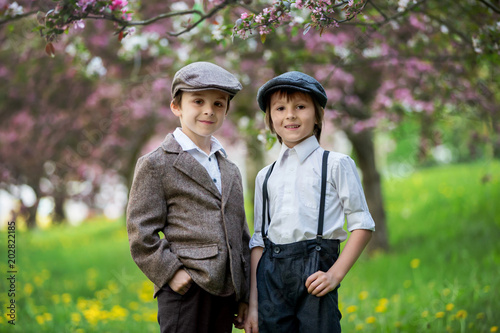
[(197, 311), (284, 303)]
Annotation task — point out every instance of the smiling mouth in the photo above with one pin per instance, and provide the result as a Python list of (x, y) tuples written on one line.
[(206, 121), (292, 126)]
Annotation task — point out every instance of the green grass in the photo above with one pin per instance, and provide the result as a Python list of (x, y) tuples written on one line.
[(442, 274)]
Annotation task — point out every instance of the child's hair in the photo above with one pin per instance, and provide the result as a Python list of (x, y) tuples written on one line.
[(289, 94), (178, 99)]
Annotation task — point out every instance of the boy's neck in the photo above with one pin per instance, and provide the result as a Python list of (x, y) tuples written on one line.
[(204, 143)]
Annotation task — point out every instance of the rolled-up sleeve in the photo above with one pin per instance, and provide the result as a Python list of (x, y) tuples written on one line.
[(351, 195)]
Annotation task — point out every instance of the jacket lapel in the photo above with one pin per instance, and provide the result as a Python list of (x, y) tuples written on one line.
[(227, 177), (188, 165)]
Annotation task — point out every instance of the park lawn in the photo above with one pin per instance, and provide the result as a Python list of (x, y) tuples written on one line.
[(442, 274)]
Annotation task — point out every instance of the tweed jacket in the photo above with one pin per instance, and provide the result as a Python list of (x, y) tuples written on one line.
[(204, 232)]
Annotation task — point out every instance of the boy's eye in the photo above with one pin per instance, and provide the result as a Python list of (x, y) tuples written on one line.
[(300, 107), (219, 104), (198, 101), (280, 108)]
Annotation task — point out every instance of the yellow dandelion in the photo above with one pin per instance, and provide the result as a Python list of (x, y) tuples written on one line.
[(45, 274), (363, 295), (66, 298), (38, 281), (91, 273), (380, 308), (40, 319), (56, 299), (133, 306), (371, 320), (28, 289), (80, 330), (91, 284), (352, 308), (480, 315), (113, 287), (461, 314), (407, 284), (425, 314), (136, 317), (440, 314), (494, 329), (47, 316), (383, 301), (449, 306), (446, 292), (395, 298), (359, 327), (118, 313), (75, 317), (352, 317), (415, 263), (81, 304), (151, 316)]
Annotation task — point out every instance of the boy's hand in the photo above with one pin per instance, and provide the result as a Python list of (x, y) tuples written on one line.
[(180, 282), (239, 320), (252, 322), (321, 283)]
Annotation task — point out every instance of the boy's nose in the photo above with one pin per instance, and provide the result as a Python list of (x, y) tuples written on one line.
[(209, 110), (290, 113)]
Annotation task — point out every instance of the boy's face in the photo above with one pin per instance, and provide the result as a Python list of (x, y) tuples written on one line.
[(293, 117), (201, 113)]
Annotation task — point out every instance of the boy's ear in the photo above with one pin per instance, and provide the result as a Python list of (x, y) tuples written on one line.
[(175, 108)]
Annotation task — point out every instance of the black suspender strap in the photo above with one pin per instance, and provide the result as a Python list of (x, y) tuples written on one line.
[(321, 216), (265, 202)]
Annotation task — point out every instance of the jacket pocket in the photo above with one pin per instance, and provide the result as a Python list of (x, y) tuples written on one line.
[(201, 251)]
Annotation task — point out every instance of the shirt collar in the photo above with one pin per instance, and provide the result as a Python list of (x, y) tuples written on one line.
[(303, 149), (187, 144)]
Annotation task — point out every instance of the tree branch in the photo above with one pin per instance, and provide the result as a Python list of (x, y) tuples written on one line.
[(491, 6), (17, 17), (388, 18)]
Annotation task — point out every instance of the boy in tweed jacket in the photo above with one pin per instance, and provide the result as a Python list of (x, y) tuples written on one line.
[(187, 190)]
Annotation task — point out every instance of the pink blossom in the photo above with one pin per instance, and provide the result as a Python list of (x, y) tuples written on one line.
[(83, 4), (118, 4), (244, 15)]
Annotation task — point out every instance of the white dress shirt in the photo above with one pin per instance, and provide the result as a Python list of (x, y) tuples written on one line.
[(209, 162), (294, 195)]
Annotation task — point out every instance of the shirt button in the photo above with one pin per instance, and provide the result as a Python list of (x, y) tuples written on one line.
[(209, 159), (277, 250), (215, 180)]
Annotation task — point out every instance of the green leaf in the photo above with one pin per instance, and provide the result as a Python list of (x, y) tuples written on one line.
[(263, 38)]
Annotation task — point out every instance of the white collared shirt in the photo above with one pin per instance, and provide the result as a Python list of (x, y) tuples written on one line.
[(209, 162), (294, 196)]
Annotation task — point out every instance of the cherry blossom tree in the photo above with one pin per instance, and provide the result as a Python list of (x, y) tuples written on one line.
[(381, 63)]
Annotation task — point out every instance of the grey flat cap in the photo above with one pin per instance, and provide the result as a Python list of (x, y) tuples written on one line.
[(295, 81), (205, 76)]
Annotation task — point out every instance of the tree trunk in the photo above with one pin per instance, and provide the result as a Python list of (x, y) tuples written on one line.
[(365, 151), (30, 214), (58, 215), (254, 163)]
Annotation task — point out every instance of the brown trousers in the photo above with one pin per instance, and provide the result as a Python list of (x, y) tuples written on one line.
[(197, 311)]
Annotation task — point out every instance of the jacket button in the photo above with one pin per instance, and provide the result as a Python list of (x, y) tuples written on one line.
[(277, 250), (318, 248)]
